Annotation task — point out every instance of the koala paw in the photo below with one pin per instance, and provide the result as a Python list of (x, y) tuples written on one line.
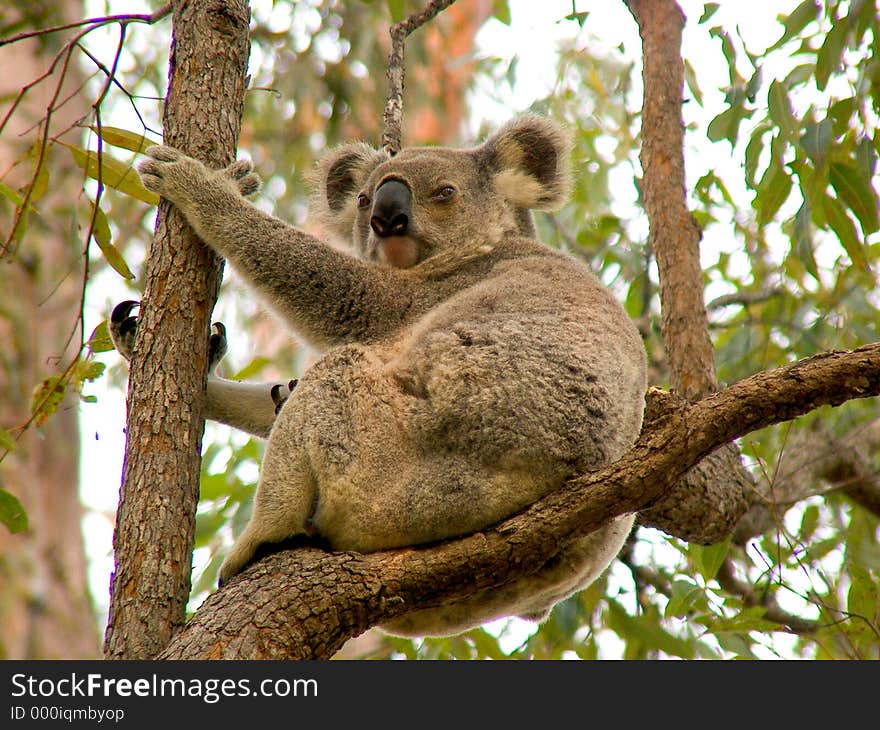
[(169, 172), (174, 176), (279, 396), (123, 328)]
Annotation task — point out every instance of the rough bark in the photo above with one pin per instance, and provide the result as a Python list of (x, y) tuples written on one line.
[(674, 232), (154, 536), (45, 608), (304, 603), (718, 488)]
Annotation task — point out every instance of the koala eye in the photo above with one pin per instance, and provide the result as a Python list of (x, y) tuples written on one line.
[(444, 193), (363, 200)]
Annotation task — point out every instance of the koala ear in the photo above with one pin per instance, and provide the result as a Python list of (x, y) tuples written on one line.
[(336, 180), (531, 159)]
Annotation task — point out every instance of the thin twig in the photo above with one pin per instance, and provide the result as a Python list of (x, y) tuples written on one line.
[(65, 53), (393, 114), (744, 298), (94, 22)]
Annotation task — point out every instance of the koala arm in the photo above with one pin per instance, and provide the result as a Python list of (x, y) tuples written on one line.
[(326, 296), (246, 406)]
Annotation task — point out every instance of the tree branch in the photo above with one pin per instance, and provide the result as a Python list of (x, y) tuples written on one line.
[(306, 603), (674, 232), (148, 18), (719, 486), (393, 113)]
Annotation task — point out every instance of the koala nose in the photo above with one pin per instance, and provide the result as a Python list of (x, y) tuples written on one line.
[(391, 209)]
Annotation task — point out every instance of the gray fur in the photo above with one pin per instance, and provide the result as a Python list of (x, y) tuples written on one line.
[(451, 393)]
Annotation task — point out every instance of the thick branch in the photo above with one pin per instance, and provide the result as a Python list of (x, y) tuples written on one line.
[(306, 603), (154, 536)]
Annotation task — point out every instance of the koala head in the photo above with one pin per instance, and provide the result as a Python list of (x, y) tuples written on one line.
[(429, 202)]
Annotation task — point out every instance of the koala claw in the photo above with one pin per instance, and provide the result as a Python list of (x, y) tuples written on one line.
[(279, 397), (242, 173), (163, 153), (123, 327), (216, 345)]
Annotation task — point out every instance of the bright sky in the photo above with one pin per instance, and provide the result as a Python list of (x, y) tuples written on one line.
[(533, 34)]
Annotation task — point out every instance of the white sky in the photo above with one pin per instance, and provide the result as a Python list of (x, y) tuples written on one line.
[(533, 34)]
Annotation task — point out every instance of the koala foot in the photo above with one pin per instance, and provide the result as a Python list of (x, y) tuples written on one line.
[(279, 397), (123, 328)]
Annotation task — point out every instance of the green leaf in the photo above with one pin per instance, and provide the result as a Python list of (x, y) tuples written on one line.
[(101, 234), (728, 50), (214, 486), (12, 514), (684, 597), (808, 522), (830, 54), (254, 367), (780, 110), (646, 629), (840, 112), (7, 442), (857, 192), (753, 153), (709, 9), (745, 621), (816, 140), (845, 230), (501, 11), (90, 370), (690, 78), (397, 10), (796, 21), (726, 125), (15, 197), (863, 598), (803, 240), (113, 173), (773, 191), (124, 138), (736, 643), (100, 341), (580, 18), (709, 558), (46, 398), (39, 177)]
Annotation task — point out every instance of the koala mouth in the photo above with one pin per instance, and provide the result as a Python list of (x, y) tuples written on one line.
[(399, 252)]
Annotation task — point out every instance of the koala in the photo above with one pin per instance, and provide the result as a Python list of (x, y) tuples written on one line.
[(467, 369)]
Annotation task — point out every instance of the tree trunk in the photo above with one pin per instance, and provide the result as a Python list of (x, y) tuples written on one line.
[(45, 608), (154, 537)]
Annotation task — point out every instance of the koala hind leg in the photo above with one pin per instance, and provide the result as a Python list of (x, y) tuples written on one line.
[(283, 504)]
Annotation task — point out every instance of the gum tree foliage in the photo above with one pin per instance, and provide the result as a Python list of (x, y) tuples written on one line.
[(790, 248)]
